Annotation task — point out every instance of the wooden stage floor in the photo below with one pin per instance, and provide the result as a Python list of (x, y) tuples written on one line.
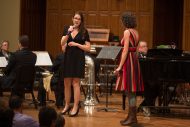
[(90, 117)]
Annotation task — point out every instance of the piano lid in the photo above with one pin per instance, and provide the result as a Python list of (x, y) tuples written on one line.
[(164, 52)]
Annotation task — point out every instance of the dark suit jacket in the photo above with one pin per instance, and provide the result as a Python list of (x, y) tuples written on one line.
[(20, 57), (58, 67)]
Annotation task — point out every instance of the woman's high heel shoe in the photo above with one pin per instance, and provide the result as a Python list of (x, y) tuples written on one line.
[(74, 114), (66, 111)]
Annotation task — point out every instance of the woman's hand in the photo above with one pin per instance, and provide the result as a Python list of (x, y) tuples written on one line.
[(117, 71), (71, 28), (72, 43)]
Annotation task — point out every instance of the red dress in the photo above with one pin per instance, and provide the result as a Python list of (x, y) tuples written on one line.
[(131, 78)]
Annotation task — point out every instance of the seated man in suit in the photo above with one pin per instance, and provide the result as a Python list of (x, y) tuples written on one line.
[(4, 51), (6, 114), (20, 119), (21, 57), (57, 82), (47, 117)]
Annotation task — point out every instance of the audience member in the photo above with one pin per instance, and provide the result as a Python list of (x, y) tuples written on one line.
[(6, 115), (21, 57), (60, 121), (47, 117), (20, 119)]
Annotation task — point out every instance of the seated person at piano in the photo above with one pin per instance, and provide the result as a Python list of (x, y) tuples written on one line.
[(20, 57), (4, 51), (150, 87), (142, 49)]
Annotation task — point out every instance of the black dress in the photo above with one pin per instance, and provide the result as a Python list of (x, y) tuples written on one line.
[(74, 62)]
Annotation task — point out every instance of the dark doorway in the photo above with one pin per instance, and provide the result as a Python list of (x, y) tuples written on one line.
[(33, 22), (168, 22)]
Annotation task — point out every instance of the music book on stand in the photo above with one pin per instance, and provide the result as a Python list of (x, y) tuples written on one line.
[(109, 52), (3, 62), (43, 58)]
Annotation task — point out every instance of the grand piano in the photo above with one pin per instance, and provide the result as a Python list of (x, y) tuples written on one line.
[(165, 67)]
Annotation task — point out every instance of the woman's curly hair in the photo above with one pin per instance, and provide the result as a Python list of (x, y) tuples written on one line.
[(129, 20)]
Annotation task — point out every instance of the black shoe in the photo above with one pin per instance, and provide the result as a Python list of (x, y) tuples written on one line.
[(74, 114), (66, 111)]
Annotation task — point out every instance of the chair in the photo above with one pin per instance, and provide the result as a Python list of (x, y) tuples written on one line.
[(25, 75)]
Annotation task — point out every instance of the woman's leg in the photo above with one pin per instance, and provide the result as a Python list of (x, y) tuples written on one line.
[(132, 99), (67, 84), (76, 87), (131, 118)]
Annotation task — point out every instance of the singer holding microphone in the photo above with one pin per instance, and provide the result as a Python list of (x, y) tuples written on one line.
[(76, 38)]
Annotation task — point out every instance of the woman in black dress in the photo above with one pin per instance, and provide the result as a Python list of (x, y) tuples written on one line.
[(77, 40)]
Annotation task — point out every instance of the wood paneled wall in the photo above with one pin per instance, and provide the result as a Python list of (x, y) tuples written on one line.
[(98, 13), (186, 25)]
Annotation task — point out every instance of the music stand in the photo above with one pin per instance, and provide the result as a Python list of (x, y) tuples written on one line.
[(108, 53), (44, 60)]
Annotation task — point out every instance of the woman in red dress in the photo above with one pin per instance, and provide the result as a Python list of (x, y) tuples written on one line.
[(129, 66)]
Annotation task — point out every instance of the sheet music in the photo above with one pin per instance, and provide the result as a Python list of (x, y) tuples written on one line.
[(43, 58), (3, 62)]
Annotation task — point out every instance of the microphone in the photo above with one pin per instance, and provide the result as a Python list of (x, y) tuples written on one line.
[(70, 30)]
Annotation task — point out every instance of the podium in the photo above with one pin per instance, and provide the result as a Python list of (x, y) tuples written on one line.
[(108, 53)]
